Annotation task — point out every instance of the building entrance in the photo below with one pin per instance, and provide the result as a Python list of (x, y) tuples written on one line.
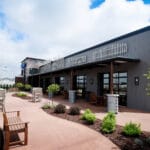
[(119, 85), (79, 83)]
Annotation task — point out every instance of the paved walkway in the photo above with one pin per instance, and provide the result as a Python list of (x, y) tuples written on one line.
[(51, 133)]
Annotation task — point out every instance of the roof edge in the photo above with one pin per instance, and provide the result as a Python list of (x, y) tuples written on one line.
[(138, 31), (33, 59)]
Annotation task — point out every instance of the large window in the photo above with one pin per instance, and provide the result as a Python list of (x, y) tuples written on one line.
[(119, 85), (60, 81), (105, 83), (81, 85)]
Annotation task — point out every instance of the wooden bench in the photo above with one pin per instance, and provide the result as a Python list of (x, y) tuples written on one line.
[(14, 124)]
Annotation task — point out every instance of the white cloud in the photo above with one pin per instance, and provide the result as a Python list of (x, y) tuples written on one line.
[(57, 28)]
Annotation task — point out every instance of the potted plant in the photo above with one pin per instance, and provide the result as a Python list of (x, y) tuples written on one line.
[(52, 88)]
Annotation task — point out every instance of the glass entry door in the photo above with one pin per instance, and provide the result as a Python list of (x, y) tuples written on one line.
[(119, 85), (80, 85)]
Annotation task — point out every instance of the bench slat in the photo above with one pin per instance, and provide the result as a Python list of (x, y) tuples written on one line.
[(15, 127), (13, 123)]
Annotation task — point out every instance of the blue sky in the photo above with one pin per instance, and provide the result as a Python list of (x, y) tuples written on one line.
[(19, 36), (2, 20), (53, 29), (96, 3), (145, 1)]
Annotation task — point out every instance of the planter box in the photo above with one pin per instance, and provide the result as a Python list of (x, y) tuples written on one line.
[(112, 103), (72, 96)]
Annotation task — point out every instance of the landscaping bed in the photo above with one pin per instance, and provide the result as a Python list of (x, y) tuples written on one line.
[(117, 137), (25, 97)]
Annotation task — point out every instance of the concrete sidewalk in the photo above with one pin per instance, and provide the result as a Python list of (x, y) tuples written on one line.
[(51, 133)]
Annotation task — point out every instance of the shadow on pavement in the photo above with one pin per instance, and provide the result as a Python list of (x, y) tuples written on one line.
[(1, 139)]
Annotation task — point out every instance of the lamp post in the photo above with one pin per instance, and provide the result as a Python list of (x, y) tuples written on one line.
[(23, 67)]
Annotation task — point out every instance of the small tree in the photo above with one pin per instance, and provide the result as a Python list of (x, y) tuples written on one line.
[(53, 88), (147, 75), (19, 85), (27, 87)]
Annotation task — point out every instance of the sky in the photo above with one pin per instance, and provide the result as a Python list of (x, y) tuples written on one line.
[(50, 29)]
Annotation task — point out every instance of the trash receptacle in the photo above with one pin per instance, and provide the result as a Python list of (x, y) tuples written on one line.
[(112, 103), (72, 96)]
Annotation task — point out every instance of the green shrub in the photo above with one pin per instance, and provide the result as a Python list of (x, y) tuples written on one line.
[(132, 129), (60, 108), (46, 106), (27, 87), (109, 123), (110, 115), (53, 88), (74, 110), (90, 118), (87, 111), (19, 85), (20, 94)]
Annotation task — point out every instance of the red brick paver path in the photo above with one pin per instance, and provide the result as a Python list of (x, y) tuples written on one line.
[(50, 133)]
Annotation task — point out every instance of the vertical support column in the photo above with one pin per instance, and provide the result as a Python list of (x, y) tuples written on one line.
[(39, 80), (44, 84), (32, 81), (71, 80), (111, 77), (72, 93)]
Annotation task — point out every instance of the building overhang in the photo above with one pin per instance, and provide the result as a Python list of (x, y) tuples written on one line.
[(103, 63), (116, 60), (120, 60)]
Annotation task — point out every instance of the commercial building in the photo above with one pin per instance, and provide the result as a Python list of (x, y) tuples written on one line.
[(114, 66)]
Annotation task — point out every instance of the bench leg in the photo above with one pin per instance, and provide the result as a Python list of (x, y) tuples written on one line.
[(26, 135), (6, 141)]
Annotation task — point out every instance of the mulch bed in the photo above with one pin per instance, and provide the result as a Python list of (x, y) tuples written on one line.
[(122, 141), (23, 97)]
